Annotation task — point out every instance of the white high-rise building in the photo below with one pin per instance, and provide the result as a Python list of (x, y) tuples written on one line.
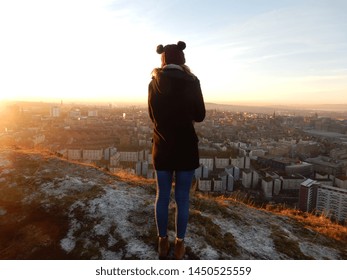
[(332, 201)]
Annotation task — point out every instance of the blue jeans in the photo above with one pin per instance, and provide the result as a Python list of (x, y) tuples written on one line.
[(182, 188)]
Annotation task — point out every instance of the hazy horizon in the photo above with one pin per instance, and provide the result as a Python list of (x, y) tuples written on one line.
[(342, 106)]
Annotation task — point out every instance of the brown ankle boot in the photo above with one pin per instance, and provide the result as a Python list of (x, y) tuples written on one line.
[(180, 250), (163, 247)]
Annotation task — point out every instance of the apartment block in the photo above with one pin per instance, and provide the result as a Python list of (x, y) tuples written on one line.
[(341, 181), (55, 112), (332, 201), (308, 195), (218, 185), (115, 159), (204, 185), (92, 154), (292, 182), (234, 171), (221, 162), (250, 178), (74, 154), (129, 156), (227, 181), (271, 186), (202, 172), (141, 168), (208, 162)]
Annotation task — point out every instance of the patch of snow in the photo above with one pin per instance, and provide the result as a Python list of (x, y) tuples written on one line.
[(62, 187), (318, 252), (140, 249), (2, 212), (254, 238), (208, 253), (6, 172), (113, 208), (111, 241), (110, 255), (68, 244), (110, 213), (100, 229)]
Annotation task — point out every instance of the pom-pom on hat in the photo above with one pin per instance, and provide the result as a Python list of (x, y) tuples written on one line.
[(172, 54)]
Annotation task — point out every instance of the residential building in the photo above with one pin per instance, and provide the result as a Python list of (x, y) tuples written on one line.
[(308, 195), (227, 181), (92, 154), (204, 185), (250, 178), (221, 162), (332, 201), (329, 200), (208, 162), (218, 185), (74, 154), (341, 181)]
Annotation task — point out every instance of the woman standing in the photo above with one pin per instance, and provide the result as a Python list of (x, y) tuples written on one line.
[(175, 102)]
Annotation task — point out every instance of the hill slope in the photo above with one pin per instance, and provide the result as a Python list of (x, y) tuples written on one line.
[(54, 209)]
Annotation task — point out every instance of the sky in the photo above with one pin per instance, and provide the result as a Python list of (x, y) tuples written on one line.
[(251, 51)]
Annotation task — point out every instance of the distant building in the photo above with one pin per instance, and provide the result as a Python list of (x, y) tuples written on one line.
[(115, 160), (250, 178), (143, 155), (221, 162), (208, 162), (92, 113), (141, 168), (325, 199), (75, 113), (302, 168), (256, 153), (201, 172), (204, 185), (271, 186), (108, 152), (332, 201), (129, 156), (218, 185), (92, 154), (234, 171), (267, 184), (308, 195), (242, 162), (55, 112), (74, 154), (292, 182), (341, 181), (326, 165), (227, 181), (151, 173)]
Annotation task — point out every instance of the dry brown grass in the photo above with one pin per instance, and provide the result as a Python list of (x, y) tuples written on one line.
[(318, 223), (133, 179)]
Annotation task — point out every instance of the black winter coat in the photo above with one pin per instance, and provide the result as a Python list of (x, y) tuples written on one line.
[(175, 102)]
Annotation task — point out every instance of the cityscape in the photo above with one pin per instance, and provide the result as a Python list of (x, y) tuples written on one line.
[(286, 156)]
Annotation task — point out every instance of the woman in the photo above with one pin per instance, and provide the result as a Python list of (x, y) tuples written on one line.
[(175, 102)]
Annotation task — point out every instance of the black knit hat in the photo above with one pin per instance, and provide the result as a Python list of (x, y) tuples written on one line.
[(172, 54)]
